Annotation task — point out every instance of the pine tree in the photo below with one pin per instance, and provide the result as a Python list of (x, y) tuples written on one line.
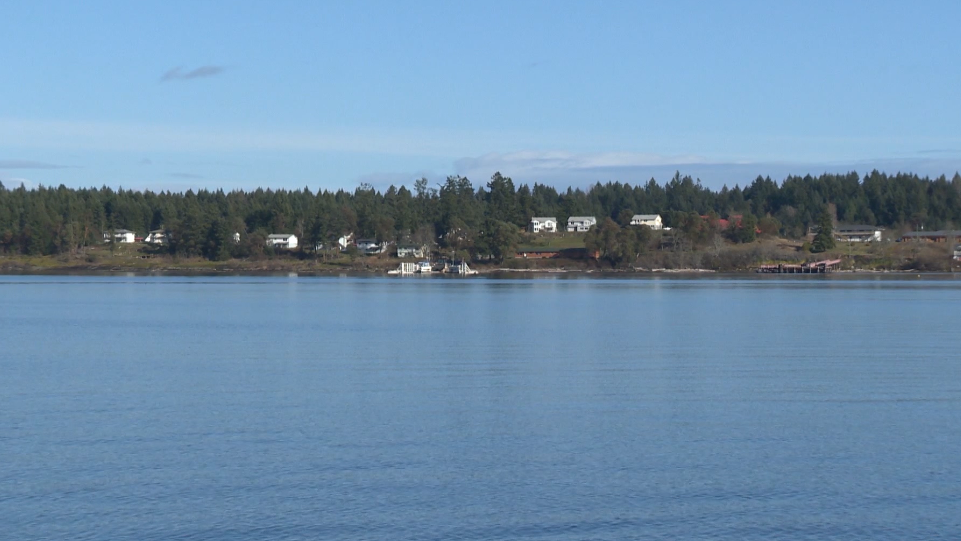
[(824, 239)]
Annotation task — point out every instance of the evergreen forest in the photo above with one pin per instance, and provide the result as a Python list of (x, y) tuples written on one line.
[(456, 213)]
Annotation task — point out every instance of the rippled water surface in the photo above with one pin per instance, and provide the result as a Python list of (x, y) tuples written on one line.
[(349, 408)]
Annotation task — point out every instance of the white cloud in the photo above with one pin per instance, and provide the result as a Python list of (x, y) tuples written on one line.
[(15, 182), (532, 162), (562, 169), (123, 137)]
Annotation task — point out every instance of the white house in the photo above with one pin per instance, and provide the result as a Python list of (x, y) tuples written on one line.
[(282, 240), (371, 246), (650, 220), (857, 233), (344, 241), (119, 235), (543, 225), (580, 223), (236, 238), (957, 253), (157, 236), (411, 250)]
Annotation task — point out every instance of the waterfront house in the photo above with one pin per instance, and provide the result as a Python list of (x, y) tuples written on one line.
[(857, 233), (371, 246), (541, 224), (650, 220), (120, 236), (157, 236), (412, 250), (282, 240), (580, 224)]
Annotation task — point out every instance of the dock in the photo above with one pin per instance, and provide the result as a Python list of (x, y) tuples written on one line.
[(405, 269), (816, 267)]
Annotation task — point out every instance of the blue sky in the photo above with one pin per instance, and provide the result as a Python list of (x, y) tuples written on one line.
[(176, 95)]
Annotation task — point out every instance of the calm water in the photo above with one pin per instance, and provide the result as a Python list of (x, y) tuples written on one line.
[(346, 408)]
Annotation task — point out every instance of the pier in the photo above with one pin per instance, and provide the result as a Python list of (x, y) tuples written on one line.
[(816, 267)]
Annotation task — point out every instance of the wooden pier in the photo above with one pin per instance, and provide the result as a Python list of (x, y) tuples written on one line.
[(816, 267)]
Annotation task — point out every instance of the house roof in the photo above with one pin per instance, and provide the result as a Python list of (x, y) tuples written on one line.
[(543, 218), (121, 231), (856, 229), (929, 234), (581, 218), (280, 236), (646, 216)]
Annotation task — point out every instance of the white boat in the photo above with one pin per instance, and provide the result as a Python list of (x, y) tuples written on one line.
[(424, 267)]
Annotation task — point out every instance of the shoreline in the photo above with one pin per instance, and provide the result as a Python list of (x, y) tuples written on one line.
[(9, 268)]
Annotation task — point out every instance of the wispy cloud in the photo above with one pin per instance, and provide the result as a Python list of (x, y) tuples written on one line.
[(940, 151), (185, 175), (179, 74), (564, 169), (154, 138), (16, 182), (533, 162), (29, 164)]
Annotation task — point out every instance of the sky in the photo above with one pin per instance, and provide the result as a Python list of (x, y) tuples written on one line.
[(171, 95)]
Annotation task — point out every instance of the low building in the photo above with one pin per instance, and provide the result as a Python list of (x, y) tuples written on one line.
[(541, 224), (120, 235), (857, 233), (650, 220), (282, 240), (418, 251), (932, 236), (157, 236), (236, 238), (580, 224), (957, 253)]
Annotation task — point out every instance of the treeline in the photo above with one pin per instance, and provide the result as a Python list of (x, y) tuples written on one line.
[(455, 214)]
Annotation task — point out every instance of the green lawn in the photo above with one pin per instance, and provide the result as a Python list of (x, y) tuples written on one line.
[(557, 240)]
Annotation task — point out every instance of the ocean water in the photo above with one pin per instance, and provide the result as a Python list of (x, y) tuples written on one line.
[(253, 408)]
